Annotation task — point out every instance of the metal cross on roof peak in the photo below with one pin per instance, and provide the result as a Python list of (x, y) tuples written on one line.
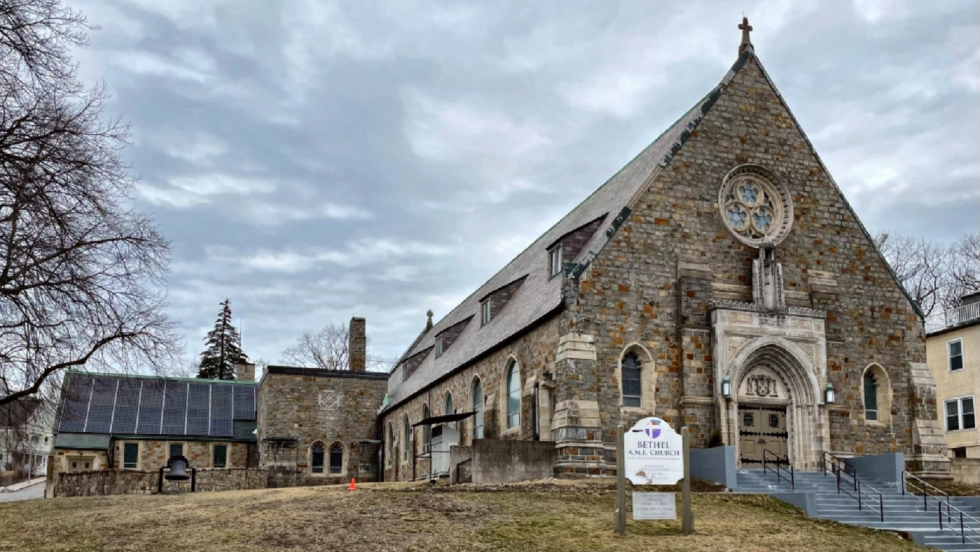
[(746, 29)]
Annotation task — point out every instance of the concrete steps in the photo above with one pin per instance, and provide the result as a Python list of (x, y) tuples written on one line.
[(902, 512)]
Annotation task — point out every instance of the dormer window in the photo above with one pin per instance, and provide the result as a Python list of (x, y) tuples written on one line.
[(438, 345), (485, 312), (556, 260)]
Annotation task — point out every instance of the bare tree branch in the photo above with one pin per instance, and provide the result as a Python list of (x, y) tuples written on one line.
[(81, 272)]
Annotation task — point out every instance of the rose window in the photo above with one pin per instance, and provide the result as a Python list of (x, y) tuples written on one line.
[(753, 208)]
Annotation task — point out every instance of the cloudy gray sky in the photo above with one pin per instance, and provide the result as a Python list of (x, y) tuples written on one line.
[(316, 160)]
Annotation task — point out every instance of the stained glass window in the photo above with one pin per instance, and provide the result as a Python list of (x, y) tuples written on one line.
[(870, 397), (753, 208), (632, 385)]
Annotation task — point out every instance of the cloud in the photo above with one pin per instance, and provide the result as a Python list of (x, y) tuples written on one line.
[(315, 161)]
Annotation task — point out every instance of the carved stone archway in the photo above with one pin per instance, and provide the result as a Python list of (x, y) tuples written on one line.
[(780, 369)]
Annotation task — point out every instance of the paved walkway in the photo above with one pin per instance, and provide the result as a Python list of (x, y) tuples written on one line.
[(26, 493)]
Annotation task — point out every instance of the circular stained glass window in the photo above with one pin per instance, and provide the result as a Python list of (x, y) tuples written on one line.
[(754, 207)]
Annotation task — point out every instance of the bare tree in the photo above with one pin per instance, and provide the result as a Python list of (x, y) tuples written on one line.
[(326, 349), (81, 272), (964, 264), (920, 266)]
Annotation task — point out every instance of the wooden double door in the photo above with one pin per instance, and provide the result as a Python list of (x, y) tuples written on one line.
[(762, 428)]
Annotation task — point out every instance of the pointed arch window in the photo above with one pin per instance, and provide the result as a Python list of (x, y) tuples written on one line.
[(632, 382), (391, 443), (513, 396), (316, 458), (870, 396), (449, 409), (336, 458), (426, 430), (406, 437), (477, 409)]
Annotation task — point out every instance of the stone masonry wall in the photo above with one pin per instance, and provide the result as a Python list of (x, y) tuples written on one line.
[(318, 406), (633, 292), (153, 454), (534, 353), (113, 482)]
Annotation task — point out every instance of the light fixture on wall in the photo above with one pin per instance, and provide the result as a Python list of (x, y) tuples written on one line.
[(726, 387), (829, 393)]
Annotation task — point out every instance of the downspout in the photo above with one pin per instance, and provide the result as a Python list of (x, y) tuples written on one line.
[(537, 414)]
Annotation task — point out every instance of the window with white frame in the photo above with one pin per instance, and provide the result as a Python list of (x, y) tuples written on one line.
[(954, 351), (960, 414), (485, 312), (556, 260)]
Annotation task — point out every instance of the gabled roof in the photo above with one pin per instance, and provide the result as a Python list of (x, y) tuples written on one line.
[(540, 294)]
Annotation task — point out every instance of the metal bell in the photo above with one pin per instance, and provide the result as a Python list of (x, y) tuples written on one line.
[(178, 469)]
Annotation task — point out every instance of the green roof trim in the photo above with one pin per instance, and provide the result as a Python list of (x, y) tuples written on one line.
[(166, 378)]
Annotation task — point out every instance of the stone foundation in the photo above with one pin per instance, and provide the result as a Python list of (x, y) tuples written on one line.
[(113, 482)]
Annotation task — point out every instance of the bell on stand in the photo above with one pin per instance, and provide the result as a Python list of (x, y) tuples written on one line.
[(178, 469)]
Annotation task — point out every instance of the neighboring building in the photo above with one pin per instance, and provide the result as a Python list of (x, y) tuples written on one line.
[(724, 253), (125, 422), (26, 434), (953, 354)]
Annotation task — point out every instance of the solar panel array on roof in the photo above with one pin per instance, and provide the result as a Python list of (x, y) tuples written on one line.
[(138, 405)]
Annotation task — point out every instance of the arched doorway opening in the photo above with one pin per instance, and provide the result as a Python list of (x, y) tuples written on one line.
[(774, 406)]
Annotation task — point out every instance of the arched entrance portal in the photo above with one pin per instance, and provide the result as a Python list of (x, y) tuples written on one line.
[(775, 406)]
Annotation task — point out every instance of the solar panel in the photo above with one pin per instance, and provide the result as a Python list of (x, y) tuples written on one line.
[(127, 405), (101, 406), (77, 393), (198, 407), (221, 398), (244, 402), (151, 407), (174, 408)]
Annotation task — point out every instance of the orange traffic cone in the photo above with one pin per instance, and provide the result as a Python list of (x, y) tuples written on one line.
[(352, 486)]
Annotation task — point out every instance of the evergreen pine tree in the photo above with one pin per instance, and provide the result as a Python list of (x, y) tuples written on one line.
[(223, 350)]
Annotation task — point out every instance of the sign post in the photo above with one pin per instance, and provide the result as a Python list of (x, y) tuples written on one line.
[(652, 453), (687, 523), (619, 516)]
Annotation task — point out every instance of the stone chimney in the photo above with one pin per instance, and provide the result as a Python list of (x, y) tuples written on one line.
[(245, 372), (357, 348)]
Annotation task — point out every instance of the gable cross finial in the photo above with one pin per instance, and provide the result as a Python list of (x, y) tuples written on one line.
[(746, 29)]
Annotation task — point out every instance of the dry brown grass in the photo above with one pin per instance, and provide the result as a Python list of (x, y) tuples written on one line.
[(550, 517)]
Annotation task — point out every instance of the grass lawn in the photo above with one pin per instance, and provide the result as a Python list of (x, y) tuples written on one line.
[(561, 517)]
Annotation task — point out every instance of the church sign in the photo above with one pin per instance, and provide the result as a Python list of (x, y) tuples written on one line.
[(654, 453), (654, 506)]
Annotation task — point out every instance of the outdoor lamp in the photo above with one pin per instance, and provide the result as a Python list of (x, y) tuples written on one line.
[(829, 393), (726, 387)]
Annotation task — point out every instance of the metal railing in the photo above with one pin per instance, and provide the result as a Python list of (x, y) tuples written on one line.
[(924, 486), (966, 312), (778, 461), (842, 471)]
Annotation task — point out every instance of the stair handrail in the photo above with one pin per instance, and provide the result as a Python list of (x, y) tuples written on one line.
[(778, 460), (925, 495), (838, 466)]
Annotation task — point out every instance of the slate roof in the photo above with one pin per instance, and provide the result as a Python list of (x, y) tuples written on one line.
[(540, 294), (81, 441)]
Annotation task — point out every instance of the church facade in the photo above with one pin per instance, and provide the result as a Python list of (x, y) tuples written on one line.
[(720, 280)]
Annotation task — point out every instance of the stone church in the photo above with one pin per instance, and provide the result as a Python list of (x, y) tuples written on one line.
[(720, 280)]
